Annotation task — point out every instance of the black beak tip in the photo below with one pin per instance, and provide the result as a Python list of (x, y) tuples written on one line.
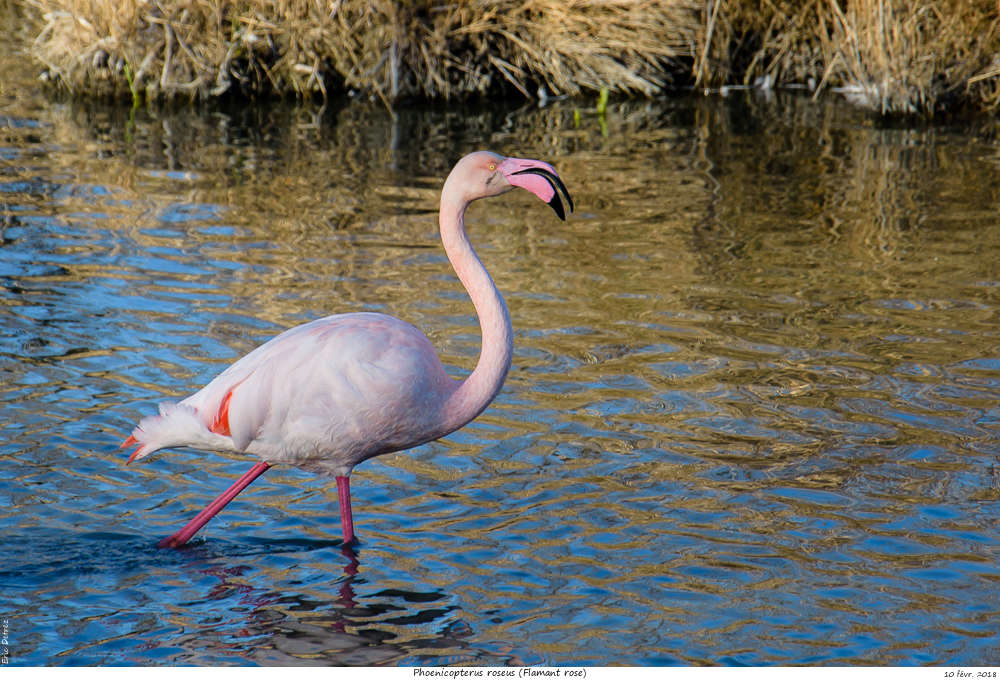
[(557, 186), (558, 207)]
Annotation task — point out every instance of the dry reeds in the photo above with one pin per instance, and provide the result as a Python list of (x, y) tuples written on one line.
[(447, 49), (382, 47), (197, 48), (906, 57), (894, 56)]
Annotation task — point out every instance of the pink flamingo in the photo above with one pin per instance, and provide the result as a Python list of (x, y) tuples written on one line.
[(331, 393)]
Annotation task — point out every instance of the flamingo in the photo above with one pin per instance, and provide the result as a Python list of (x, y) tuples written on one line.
[(339, 390)]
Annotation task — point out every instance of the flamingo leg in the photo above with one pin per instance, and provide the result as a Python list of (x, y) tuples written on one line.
[(192, 527), (346, 518)]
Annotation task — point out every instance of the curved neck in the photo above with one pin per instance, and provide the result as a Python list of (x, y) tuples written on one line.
[(475, 393)]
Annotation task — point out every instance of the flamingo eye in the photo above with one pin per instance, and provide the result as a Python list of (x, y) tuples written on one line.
[(493, 166)]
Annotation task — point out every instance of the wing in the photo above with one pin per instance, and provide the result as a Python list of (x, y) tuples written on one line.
[(324, 394)]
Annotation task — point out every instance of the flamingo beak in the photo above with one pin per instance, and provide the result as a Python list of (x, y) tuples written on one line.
[(540, 179), (131, 441)]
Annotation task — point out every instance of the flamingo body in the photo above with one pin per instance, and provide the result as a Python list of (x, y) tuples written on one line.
[(324, 396), (331, 393)]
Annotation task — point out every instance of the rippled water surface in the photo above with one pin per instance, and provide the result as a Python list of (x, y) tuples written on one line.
[(753, 415)]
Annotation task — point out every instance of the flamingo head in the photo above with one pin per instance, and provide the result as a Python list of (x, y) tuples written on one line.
[(485, 173)]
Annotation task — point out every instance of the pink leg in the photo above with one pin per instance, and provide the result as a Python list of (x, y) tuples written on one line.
[(346, 518), (192, 527)]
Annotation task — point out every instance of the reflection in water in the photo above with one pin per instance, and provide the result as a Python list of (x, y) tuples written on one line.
[(275, 628), (752, 419), (233, 619)]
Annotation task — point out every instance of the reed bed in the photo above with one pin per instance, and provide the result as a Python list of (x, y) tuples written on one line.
[(892, 56), (384, 48)]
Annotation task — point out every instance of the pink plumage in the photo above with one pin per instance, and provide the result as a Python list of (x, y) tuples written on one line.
[(331, 393)]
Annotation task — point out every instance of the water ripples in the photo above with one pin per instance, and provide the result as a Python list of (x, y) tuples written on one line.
[(737, 431)]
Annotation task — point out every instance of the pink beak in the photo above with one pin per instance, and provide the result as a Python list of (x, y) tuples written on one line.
[(540, 179)]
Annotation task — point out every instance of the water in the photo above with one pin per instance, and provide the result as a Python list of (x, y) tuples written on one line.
[(752, 419)]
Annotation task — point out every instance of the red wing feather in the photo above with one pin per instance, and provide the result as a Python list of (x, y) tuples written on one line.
[(220, 424)]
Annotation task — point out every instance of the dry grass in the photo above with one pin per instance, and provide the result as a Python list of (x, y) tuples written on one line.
[(447, 49), (766, 39), (381, 47), (192, 47), (894, 56), (907, 57)]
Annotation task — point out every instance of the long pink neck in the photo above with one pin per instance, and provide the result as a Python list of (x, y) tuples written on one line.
[(477, 391)]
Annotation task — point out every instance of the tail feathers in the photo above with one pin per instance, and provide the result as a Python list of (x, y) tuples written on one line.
[(176, 425)]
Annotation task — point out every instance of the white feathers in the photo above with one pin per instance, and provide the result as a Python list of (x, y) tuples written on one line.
[(177, 425), (325, 396)]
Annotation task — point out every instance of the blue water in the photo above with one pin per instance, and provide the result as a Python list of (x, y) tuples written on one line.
[(753, 417)]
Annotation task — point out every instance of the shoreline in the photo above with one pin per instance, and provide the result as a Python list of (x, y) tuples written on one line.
[(925, 61)]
